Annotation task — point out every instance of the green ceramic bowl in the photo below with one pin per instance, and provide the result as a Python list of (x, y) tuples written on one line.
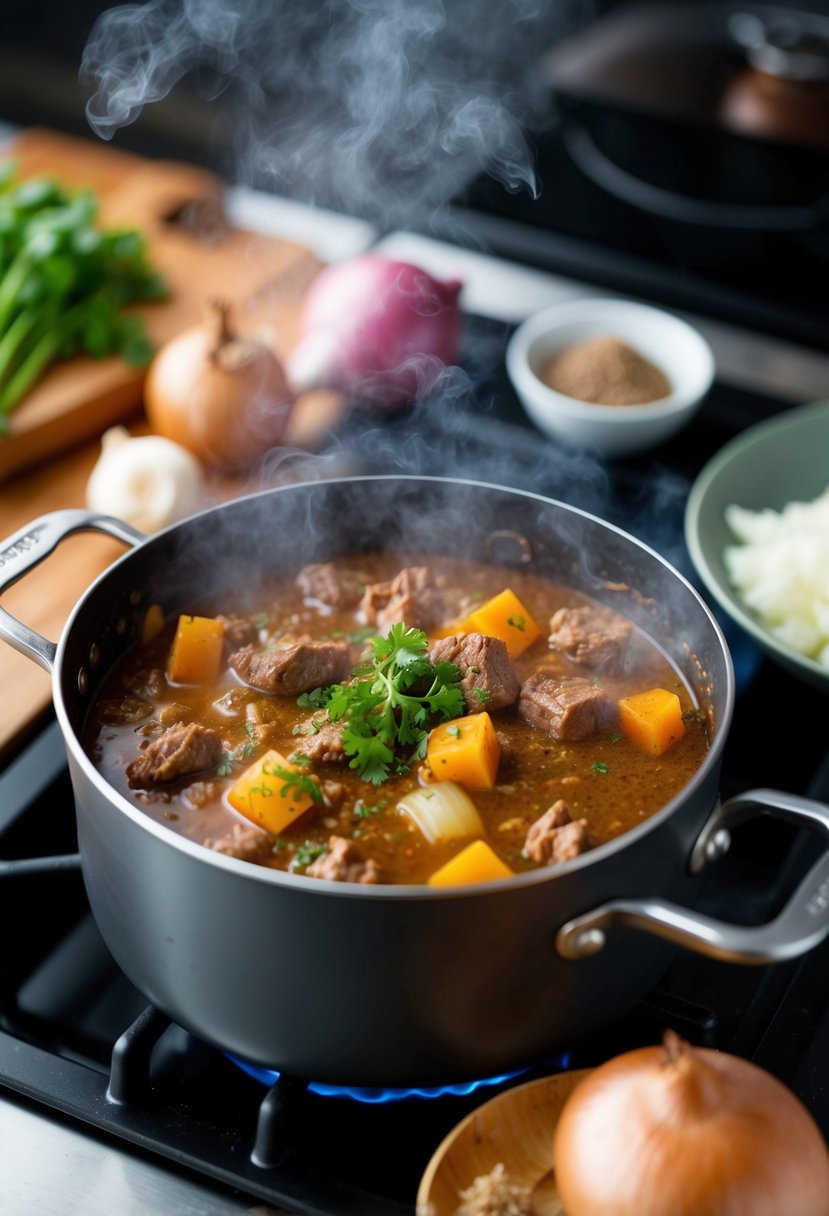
[(769, 465)]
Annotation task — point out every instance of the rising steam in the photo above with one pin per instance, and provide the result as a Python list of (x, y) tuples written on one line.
[(381, 108)]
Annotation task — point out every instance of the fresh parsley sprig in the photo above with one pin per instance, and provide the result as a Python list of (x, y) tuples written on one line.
[(391, 702), (295, 784), (64, 284), (307, 853)]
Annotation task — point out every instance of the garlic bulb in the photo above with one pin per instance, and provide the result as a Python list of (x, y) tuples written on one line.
[(147, 481)]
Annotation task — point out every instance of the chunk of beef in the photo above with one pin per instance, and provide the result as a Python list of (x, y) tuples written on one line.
[(556, 836), (323, 581), (246, 842), (411, 596), (487, 678), (293, 668), (568, 709), (594, 636), (572, 840), (321, 740), (343, 863), (180, 752), (238, 631)]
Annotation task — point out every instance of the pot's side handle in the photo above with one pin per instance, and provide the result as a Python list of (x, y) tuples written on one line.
[(28, 548), (802, 924)]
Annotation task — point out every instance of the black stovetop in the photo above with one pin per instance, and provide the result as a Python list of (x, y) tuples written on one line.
[(768, 280), (65, 1006)]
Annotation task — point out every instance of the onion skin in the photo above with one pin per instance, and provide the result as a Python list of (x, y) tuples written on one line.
[(224, 398), (681, 1131), (379, 329)]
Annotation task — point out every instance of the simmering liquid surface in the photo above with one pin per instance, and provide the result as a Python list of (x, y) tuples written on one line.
[(603, 779)]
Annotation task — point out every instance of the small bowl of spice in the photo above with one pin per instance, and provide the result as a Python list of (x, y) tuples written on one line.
[(611, 375)]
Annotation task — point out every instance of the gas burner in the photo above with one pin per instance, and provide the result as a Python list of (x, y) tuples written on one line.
[(380, 1097)]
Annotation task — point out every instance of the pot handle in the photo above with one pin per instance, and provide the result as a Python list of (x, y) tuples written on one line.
[(802, 924), (28, 548)]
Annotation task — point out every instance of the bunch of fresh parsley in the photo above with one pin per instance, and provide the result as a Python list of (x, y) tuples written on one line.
[(392, 701), (64, 284)]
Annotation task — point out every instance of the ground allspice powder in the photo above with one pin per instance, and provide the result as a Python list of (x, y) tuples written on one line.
[(606, 371)]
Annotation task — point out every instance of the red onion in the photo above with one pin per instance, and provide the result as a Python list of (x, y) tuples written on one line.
[(379, 329)]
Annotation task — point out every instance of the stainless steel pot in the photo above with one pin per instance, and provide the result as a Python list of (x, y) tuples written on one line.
[(398, 985)]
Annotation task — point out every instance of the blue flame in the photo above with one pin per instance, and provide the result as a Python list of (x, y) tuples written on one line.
[(269, 1076)]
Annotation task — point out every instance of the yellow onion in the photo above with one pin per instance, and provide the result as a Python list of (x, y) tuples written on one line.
[(683, 1131), (222, 396)]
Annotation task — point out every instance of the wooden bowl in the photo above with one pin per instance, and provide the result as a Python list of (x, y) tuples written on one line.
[(515, 1128)]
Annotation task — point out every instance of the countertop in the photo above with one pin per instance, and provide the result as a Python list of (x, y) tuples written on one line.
[(49, 1166)]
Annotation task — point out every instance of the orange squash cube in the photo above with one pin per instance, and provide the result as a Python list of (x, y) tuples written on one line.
[(265, 795), (196, 654), (652, 720), (504, 617), (465, 750), (476, 863)]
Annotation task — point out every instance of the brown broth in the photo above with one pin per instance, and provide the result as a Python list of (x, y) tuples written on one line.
[(604, 779)]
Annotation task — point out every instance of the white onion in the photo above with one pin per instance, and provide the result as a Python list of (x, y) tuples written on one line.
[(781, 571), (442, 811)]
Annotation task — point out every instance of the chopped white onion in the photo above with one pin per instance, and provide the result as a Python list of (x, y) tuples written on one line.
[(442, 811), (781, 571)]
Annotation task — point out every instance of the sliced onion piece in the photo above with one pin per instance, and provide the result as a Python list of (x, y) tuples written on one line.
[(442, 811)]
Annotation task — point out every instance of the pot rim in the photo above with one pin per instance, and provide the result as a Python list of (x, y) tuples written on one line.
[(395, 891)]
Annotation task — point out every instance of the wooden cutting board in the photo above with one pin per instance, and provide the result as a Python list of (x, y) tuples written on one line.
[(179, 208), (47, 459)]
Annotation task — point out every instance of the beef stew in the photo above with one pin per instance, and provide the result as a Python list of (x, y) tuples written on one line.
[(534, 670)]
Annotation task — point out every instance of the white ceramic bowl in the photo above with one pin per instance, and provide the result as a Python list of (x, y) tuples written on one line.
[(611, 430)]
